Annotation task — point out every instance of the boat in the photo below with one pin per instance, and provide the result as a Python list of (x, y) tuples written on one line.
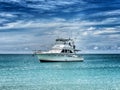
[(64, 50)]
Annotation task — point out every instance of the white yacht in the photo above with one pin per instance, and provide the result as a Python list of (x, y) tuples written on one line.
[(62, 50)]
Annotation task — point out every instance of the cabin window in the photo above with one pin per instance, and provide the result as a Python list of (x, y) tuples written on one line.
[(66, 51), (71, 51)]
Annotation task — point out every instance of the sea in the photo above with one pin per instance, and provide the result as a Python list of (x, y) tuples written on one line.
[(26, 72)]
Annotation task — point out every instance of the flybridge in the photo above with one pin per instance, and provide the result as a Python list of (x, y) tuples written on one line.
[(65, 41), (61, 39)]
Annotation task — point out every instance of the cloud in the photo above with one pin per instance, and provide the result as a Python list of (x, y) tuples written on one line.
[(55, 22), (30, 22), (95, 47), (107, 31), (2, 20), (6, 15), (109, 13)]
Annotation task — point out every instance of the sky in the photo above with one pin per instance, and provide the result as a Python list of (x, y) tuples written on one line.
[(27, 25)]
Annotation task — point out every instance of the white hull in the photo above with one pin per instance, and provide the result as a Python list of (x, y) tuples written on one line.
[(59, 57)]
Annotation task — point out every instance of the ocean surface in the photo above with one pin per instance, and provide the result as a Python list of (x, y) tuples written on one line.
[(25, 72)]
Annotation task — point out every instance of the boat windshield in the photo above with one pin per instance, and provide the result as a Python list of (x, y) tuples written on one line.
[(66, 51)]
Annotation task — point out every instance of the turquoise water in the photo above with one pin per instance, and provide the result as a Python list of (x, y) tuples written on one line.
[(25, 72)]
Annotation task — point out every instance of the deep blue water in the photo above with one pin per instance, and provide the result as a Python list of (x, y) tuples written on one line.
[(25, 72)]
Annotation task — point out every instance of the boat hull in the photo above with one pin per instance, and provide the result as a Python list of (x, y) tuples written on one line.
[(59, 58)]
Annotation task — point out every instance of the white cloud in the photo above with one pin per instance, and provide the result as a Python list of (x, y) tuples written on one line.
[(91, 28), (44, 7), (118, 48), (105, 13), (106, 31), (11, 0), (56, 22), (12, 25), (110, 20), (95, 47), (8, 15), (50, 4), (2, 20), (85, 33), (15, 38)]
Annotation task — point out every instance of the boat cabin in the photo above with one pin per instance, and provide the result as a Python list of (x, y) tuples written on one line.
[(65, 45)]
